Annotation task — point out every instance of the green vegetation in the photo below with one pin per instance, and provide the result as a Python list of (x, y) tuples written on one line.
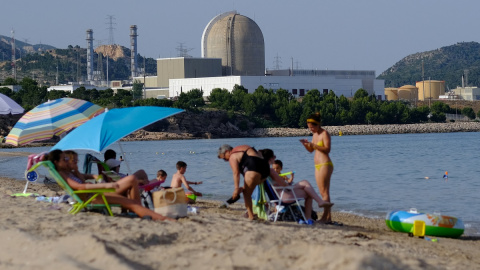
[(267, 108), (445, 64)]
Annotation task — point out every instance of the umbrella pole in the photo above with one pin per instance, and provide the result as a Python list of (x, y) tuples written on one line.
[(25, 189), (125, 158)]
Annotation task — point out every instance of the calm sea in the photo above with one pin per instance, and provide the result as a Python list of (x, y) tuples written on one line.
[(373, 174)]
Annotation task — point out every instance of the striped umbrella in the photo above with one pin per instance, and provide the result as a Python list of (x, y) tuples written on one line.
[(52, 118)]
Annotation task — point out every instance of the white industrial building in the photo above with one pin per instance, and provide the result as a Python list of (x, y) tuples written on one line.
[(297, 85)]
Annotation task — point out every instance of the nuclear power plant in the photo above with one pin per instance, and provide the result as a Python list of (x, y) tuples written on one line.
[(238, 41), (232, 53)]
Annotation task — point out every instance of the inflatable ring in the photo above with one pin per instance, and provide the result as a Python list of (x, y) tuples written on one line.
[(435, 224)]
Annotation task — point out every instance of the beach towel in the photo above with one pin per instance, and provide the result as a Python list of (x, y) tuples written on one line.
[(259, 202)]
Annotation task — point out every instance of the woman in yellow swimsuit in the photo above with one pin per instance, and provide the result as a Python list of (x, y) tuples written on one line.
[(321, 145)]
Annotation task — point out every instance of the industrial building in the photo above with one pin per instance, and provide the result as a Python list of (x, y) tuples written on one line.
[(233, 53)]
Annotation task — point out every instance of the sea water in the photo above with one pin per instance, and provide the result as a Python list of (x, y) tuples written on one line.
[(373, 174)]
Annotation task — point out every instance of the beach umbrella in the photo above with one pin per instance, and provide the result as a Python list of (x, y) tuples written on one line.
[(8, 106), (52, 118), (109, 127)]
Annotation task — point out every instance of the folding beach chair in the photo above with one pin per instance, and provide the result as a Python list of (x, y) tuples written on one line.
[(103, 169), (79, 203), (276, 196)]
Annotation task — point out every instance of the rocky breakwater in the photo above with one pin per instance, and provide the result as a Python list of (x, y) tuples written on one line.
[(372, 129)]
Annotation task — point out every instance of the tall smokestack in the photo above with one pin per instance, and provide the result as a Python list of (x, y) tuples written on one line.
[(90, 55), (133, 47)]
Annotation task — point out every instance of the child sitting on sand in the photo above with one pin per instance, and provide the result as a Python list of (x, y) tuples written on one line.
[(179, 178), (161, 177), (278, 166)]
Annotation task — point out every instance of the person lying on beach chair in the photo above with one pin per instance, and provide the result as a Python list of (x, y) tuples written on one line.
[(291, 193), (128, 186), (60, 161)]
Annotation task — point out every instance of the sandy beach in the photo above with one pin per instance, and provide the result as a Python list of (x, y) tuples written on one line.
[(42, 235)]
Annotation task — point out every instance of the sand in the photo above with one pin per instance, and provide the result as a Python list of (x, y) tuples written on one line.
[(41, 235)]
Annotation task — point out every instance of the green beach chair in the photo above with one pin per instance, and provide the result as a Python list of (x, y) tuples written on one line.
[(79, 203)]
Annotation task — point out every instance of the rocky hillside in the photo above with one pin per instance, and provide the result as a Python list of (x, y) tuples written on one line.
[(41, 61), (446, 64)]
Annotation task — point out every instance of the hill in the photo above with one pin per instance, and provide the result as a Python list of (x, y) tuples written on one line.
[(446, 64), (40, 62)]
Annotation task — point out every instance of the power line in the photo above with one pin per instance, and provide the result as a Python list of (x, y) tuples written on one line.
[(110, 28)]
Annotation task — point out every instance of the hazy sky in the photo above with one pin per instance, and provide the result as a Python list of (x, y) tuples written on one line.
[(317, 34)]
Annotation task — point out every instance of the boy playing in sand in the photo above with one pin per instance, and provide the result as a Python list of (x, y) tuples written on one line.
[(179, 178), (278, 166)]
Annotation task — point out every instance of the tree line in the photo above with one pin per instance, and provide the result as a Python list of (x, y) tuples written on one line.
[(266, 107)]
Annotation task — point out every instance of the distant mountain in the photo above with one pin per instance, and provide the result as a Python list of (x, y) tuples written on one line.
[(445, 64), (41, 62), (21, 48)]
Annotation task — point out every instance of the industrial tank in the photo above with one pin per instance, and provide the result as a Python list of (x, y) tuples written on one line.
[(238, 41), (408, 92), (430, 89), (391, 93)]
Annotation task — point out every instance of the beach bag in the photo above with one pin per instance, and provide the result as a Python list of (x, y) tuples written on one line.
[(147, 200), (170, 202)]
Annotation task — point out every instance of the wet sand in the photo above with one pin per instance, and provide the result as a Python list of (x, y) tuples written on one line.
[(41, 235)]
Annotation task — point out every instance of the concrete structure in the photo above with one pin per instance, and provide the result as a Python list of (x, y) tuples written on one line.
[(133, 50), (467, 93), (238, 41), (179, 68), (433, 89), (297, 85), (89, 55)]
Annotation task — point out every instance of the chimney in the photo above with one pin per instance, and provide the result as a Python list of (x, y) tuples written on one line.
[(89, 55), (133, 47)]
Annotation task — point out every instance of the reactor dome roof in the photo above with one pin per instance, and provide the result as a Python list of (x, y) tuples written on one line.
[(238, 41)]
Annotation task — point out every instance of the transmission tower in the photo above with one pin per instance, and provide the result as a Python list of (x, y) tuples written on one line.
[(277, 62), (14, 67), (182, 51), (110, 28), (99, 71)]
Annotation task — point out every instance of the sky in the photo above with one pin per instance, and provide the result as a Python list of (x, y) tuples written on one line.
[(313, 34)]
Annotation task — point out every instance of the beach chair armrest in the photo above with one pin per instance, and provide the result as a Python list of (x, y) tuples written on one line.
[(98, 190)]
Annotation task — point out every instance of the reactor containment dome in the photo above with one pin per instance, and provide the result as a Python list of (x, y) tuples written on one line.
[(238, 41)]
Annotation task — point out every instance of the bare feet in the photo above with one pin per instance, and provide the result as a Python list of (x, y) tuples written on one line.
[(325, 204)]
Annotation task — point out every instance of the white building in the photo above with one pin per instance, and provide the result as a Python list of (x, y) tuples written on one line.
[(297, 85), (467, 93), (71, 87)]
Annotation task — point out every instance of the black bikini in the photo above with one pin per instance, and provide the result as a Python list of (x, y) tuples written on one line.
[(254, 163)]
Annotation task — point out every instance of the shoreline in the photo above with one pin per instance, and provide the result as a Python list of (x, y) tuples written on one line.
[(348, 130), (37, 235)]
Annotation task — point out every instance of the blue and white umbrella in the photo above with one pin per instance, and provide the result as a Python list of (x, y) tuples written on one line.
[(109, 127)]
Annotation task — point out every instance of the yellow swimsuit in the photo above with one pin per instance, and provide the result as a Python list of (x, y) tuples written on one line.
[(320, 165)]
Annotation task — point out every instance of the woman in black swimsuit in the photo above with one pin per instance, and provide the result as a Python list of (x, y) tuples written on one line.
[(245, 160)]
